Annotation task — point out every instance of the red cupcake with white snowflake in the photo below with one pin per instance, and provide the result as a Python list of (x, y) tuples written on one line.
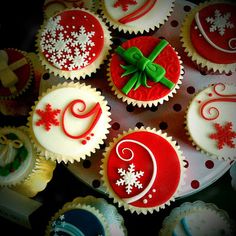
[(211, 121), (142, 170), (208, 35), (69, 122), (145, 71), (73, 43)]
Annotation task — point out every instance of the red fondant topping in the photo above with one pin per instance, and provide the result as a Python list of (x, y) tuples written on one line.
[(48, 117), (224, 135), (168, 169), (202, 46), (168, 59), (124, 4)]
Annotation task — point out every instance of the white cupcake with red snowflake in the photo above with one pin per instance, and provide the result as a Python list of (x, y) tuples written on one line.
[(142, 170), (211, 121), (69, 122), (73, 43)]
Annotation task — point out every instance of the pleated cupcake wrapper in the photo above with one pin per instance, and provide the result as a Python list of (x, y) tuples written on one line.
[(29, 82), (150, 103), (116, 198), (194, 144), (80, 73), (67, 158), (186, 208), (71, 206), (192, 53), (133, 30)]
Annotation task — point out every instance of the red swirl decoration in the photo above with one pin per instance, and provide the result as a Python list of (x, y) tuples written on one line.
[(222, 98), (96, 111)]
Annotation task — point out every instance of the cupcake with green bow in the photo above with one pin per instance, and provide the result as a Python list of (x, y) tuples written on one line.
[(145, 71)]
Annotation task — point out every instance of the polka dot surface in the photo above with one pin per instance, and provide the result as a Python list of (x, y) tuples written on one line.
[(201, 171)]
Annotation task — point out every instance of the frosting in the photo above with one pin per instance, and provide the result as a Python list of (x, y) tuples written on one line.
[(78, 222), (15, 71), (76, 115), (213, 33), (15, 155), (167, 63), (140, 185), (72, 40), (211, 121), (140, 14)]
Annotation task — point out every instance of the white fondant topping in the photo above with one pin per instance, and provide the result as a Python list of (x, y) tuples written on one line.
[(154, 174), (200, 128), (55, 140), (209, 40)]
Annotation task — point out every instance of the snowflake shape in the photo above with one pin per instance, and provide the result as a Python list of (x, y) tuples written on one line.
[(52, 26), (129, 178), (48, 117), (220, 22), (124, 4), (78, 60), (224, 135)]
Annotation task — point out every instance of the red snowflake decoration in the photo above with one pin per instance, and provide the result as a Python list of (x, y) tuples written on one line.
[(48, 117), (224, 135), (124, 4)]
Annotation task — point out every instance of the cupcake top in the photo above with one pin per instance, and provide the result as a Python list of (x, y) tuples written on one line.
[(209, 35), (16, 73), (145, 71), (16, 155), (136, 16), (211, 121), (197, 218), (69, 122), (73, 43), (137, 187)]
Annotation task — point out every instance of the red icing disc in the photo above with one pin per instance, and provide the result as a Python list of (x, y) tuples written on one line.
[(168, 59), (130, 179), (23, 73), (72, 40), (218, 23)]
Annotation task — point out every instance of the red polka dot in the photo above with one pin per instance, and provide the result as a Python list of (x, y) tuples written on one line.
[(195, 184), (88, 138), (209, 164), (92, 134), (186, 164), (84, 142), (210, 94)]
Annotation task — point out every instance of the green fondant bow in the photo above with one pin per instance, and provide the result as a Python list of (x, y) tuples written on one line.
[(143, 67)]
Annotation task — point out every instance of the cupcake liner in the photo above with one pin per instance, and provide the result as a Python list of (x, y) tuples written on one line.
[(148, 103), (84, 67), (13, 66), (212, 99), (92, 124), (210, 214), (201, 62), (149, 19), (59, 222), (134, 203)]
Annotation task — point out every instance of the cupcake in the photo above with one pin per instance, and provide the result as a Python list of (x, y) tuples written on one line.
[(51, 7), (208, 36), (211, 121), (138, 187), (78, 216), (135, 17), (197, 218), (69, 122), (16, 73), (145, 71), (21, 169), (73, 43)]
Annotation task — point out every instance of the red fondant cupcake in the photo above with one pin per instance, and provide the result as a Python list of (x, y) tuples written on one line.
[(142, 170), (209, 37), (145, 71)]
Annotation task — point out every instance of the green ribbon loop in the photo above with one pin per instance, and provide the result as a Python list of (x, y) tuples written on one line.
[(143, 67)]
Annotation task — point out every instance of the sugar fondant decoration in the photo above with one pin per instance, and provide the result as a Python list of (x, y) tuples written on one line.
[(124, 4)]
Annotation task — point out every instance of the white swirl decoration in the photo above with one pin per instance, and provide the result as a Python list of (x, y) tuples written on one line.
[(146, 190)]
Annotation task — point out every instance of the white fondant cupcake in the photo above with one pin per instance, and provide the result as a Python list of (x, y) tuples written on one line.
[(69, 122)]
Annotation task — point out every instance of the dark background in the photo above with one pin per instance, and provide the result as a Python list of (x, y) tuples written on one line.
[(19, 23)]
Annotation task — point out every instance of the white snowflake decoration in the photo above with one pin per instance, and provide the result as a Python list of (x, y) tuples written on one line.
[(129, 178), (220, 22)]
